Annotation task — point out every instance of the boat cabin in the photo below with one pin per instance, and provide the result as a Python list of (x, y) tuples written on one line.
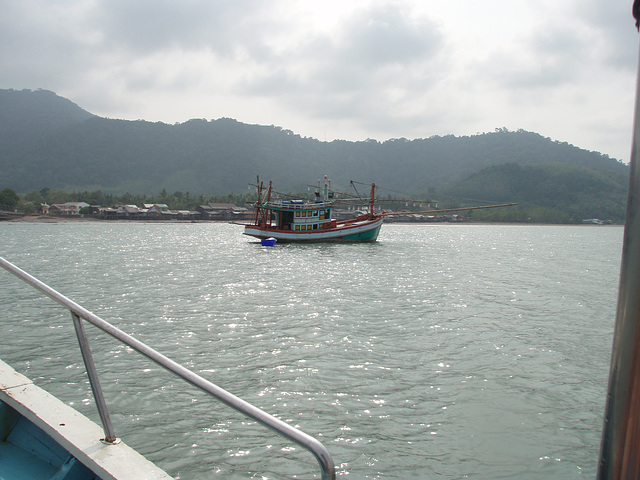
[(298, 215)]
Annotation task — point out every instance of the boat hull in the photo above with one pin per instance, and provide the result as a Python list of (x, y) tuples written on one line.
[(366, 231)]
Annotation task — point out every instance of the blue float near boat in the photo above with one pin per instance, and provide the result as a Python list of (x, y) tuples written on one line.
[(269, 242)]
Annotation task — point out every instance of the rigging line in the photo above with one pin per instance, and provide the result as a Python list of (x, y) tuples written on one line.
[(462, 209), (273, 192), (351, 200), (279, 194), (379, 199), (359, 183), (353, 184), (403, 200), (351, 197), (475, 200), (390, 190), (435, 197)]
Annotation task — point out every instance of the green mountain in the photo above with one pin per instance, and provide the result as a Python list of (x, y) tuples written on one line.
[(48, 141), (562, 192), (25, 114)]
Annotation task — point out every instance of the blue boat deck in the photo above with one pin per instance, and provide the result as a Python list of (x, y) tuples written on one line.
[(27, 452), (45, 439)]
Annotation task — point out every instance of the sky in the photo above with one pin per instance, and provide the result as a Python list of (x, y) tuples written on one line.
[(347, 69)]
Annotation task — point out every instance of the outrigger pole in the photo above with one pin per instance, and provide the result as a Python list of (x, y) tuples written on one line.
[(620, 446), (446, 210)]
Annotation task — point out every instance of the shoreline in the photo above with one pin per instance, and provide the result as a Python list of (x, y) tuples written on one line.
[(78, 219)]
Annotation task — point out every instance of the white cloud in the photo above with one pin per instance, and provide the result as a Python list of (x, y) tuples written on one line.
[(354, 70)]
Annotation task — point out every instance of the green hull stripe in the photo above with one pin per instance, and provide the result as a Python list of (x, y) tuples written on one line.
[(368, 236)]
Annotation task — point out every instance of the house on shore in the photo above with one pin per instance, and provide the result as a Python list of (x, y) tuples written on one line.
[(69, 208), (222, 211), (159, 211)]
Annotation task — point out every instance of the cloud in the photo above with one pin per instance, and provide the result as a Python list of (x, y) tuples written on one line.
[(367, 68), (387, 35), (147, 26)]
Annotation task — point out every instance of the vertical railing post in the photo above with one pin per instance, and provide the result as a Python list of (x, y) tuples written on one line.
[(109, 434)]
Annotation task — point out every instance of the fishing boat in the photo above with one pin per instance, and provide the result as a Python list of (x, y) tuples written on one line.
[(295, 220)]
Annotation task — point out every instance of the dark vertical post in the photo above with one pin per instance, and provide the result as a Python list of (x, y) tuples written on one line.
[(620, 447)]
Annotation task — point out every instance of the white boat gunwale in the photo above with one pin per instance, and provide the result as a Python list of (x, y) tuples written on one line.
[(74, 432)]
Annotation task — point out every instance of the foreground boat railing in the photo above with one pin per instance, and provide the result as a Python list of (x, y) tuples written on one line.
[(79, 313), (620, 443)]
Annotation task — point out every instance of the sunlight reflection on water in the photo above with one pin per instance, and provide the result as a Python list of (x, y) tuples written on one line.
[(447, 351)]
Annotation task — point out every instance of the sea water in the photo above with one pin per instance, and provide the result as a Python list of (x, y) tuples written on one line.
[(440, 351)]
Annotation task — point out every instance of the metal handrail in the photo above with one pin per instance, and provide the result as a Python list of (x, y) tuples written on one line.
[(306, 441)]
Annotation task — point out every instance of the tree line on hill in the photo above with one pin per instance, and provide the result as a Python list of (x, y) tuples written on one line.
[(48, 142), (31, 202), (558, 208)]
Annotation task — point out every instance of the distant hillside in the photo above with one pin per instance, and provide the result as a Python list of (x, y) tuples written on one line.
[(576, 191), (48, 141), (29, 113)]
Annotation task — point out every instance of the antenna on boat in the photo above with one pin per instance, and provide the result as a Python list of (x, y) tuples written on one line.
[(620, 443), (327, 193)]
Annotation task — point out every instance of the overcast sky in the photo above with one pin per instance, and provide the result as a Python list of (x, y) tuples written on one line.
[(343, 69)]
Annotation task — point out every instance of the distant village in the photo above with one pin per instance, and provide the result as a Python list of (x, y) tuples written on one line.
[(222, 212), (148, 211), (206, 212)]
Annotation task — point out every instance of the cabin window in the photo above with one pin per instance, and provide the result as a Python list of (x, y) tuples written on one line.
[(315, 213), (315, 226), (297, 227), (297, 214)]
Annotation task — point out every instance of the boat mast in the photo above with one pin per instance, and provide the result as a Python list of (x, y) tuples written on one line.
[(259, 201), (265, 212), (620, 446), (372, 200), (326, 189)]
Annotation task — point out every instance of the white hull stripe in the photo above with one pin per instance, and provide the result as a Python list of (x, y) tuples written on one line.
[(314, 234)]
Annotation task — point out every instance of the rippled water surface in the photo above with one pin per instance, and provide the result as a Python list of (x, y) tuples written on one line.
[(440, 351)]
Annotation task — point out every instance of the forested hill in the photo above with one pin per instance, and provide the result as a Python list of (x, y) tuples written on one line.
[(48, 141), (29, 113), (547, 192)]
